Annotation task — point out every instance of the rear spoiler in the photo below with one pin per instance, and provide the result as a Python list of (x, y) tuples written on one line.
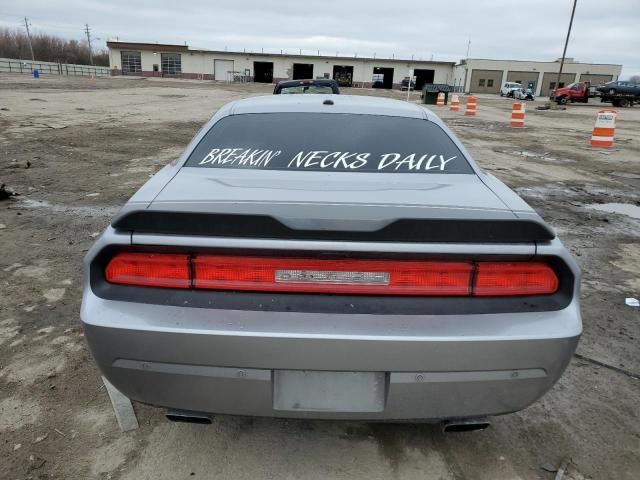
[(401, 230)]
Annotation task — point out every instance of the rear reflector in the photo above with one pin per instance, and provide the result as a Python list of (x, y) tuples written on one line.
[(150, 269), (375, 277), (345, 276)]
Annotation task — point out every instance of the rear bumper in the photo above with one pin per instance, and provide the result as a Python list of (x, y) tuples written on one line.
[(222, 361)]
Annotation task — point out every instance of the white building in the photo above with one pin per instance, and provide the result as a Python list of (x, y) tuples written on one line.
[(149, 59), (471, 75)]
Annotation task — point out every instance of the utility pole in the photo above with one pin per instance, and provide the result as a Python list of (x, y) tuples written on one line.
[(88, 32), (26, 25), (566, 42), (466, 66)]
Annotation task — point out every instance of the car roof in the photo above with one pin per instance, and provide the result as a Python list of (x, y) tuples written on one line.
[(354, 104), (317, 81)]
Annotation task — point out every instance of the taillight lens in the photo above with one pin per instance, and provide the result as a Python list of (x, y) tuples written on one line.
[(495, 279), (150, 269), (376, 277), (345, 276)]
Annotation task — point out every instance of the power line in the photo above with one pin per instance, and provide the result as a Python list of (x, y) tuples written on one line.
[(26, 25), (88, 32)]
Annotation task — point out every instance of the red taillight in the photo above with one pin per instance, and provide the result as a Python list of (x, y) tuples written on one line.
[(345, 276), (497, 279), (150, 269), (375, 277)]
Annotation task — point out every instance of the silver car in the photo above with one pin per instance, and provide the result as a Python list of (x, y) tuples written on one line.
[(330, 257)]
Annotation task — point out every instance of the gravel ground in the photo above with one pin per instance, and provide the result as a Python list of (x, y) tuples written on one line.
[(75, 153)]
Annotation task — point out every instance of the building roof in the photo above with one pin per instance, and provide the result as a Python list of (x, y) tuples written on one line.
[(164, 47), (568, 61)]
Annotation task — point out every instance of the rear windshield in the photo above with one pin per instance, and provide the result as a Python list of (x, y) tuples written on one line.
[(325, 142)]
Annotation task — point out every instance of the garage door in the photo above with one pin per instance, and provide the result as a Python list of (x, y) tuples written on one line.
[(523, 78), (485, 81), (549, 81), (221, 69), (595, 79)]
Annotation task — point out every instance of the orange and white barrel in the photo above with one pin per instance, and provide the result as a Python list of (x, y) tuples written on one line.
[(472, 106), (517, 114), (604, 129), (440, 101), (455, 103)]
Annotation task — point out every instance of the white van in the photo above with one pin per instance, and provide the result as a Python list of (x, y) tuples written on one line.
[(508, 88)]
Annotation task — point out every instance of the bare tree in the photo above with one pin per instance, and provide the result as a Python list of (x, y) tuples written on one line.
[(635, 78), (48, 48)]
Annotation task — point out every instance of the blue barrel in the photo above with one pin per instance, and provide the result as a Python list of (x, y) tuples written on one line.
[(36, 73)]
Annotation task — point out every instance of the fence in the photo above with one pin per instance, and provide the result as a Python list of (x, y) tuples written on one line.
[(12, 65)]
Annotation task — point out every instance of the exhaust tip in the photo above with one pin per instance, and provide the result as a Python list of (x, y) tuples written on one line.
[(186, 416), (465, 425)]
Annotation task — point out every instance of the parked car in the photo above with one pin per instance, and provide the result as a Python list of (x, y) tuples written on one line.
[(336, 257), (320, 85), (508, 88), (523, 94), (620, 87)]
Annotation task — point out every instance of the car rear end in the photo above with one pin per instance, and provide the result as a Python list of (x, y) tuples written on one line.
[(302, 292)]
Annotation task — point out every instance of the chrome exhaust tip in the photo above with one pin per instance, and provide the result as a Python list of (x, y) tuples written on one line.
[(465, 425), (187, 416)]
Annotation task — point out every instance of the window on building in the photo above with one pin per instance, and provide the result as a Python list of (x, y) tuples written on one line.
[(552, 85), (490, 82), (155, 67), (131, 62), (481, 82), (171, 63)]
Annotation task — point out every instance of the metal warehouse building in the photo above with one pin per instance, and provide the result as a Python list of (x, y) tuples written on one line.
[(470, 75), (486, 76), (149, 59)]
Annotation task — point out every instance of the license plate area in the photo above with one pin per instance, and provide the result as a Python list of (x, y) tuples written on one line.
[(316, 391)]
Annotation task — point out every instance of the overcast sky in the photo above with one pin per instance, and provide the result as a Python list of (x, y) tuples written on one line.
[(604, 31)]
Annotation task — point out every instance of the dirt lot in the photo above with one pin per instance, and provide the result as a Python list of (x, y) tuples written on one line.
[(88, 149)]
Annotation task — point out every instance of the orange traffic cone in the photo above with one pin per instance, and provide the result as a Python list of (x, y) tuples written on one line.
[(517, 114), (455, 103), (472, 105), (604, 129), (440, 101)]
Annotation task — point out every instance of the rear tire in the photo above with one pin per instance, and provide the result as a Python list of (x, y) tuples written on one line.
[(624, 103)]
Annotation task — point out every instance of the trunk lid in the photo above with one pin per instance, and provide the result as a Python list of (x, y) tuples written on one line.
[(328, 199)]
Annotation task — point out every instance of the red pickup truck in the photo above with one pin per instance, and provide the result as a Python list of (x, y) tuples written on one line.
[(574, 92)]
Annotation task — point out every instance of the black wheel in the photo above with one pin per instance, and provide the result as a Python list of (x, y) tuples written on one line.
[(563, 100), (612, 91), (623, 102)]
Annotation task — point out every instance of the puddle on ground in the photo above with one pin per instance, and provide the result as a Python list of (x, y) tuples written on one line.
[(628, 209)]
